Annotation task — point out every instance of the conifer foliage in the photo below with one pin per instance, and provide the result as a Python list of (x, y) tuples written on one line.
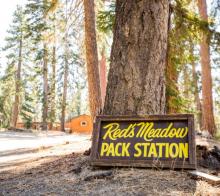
[(57, 53)]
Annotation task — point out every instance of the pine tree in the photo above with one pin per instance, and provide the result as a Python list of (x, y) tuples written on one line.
[(207, 99), (15, 44), (38, 24), (92, 59), (7, 91)]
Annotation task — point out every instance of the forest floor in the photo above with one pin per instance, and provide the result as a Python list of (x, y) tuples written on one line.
[(64, 170)]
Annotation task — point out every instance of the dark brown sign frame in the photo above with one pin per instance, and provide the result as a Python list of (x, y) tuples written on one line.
[(190, 164)]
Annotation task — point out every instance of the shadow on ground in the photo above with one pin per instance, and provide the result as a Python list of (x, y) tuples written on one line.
[(68, 175)]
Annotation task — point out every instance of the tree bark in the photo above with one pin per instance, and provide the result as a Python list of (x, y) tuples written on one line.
[(136, 81), (45, 77), (95, 101), (65, 77), (15, 110), (172, 90), (53, 89), (45, 89), (207, 102), (103, 71), (196, 95), (66, 69), (186, 86), (53, 85)]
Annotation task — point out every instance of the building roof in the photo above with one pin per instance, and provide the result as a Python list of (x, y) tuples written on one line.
[(75, 117)]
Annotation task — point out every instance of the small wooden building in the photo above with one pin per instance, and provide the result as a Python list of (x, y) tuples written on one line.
[(80, 124)]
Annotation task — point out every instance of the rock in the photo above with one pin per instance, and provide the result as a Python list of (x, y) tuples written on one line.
[(87, 152)]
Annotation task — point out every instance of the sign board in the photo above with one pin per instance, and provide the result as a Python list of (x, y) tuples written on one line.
[(165, 141)]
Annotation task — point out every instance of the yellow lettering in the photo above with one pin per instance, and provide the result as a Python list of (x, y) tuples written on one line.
[(145, 145), (183, 150), (164, 132), (160, 145), (116, 133), (125, 149), (110, 150), (184, 132), (111, 128), (147, 132), (157, 133), (131, 133), (104, 148), (173, 150), (138, 150), (143, 125), (152, 150), (116, 149), (167, 150), (172, 133)]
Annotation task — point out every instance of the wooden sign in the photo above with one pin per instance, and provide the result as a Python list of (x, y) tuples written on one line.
[(165, 141)]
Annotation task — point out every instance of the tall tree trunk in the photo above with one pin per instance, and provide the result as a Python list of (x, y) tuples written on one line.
[(45, 77), (207, 103), (172, 90), (53, 88), (103, 71), (95, 101), (197, 101), (78, 99), (196, 92), (15, 110), (136, 81), (65, 79), (53, 85), (45, 89), (66, 69), (186, 84)]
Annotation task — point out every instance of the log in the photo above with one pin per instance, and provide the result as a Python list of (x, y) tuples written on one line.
[(207, 177), (98, 175)]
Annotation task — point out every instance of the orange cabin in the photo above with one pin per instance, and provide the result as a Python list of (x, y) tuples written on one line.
[(80, 124)]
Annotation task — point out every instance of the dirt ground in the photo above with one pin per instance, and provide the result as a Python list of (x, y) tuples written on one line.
[(71, 174), (56, 170)]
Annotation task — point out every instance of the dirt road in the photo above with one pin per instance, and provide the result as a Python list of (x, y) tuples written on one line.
[(17, 148)]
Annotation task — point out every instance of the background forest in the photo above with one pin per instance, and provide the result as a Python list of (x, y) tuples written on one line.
[(44, 76)]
